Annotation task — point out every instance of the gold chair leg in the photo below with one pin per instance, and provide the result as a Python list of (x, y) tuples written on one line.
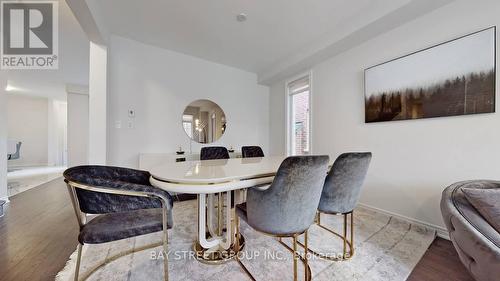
[(165, 244), (237, 246), (295, 257), (344, 252), (352, 234), (165, 260), (306, 253), (78, 260), (113, 258), (293, 250), (347, 243)]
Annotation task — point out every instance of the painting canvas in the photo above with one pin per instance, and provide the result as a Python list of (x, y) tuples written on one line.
[(453, 78)]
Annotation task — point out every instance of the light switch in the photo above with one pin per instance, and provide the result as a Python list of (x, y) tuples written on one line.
[(130, 124), (118, 124)]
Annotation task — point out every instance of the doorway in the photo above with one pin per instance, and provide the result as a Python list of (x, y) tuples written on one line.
[(36, 141)]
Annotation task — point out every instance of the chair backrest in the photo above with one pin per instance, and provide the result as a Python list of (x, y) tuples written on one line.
[(251, 151), (17, 154), (289, 205), (343, 184), (92, 202), (214, 152)]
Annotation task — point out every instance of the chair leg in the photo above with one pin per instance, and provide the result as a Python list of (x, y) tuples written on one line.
[(344, 254), (306, 253), (348, 244), (165, 259), (237, 246), (78, 260), (352, 234), (165, 244), (295, 257)]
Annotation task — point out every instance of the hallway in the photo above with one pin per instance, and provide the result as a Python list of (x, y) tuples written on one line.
[(24, 178)]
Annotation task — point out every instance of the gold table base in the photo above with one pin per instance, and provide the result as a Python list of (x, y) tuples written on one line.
[(211, 256)]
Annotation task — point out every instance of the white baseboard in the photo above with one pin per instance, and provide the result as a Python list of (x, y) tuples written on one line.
[(440, 231), (6, 199)]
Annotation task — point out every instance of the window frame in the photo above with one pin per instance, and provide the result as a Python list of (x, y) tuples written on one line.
[(289, 127)]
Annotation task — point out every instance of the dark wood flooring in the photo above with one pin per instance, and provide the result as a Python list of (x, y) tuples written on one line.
[(39, 232), (440, 263)]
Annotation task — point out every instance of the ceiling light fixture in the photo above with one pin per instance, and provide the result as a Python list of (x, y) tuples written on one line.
[(241, 17)]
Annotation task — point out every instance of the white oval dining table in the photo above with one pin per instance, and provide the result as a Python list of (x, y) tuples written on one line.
[(212, 181)]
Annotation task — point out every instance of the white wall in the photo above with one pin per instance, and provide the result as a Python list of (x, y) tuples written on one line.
[(57, 135), (3, 137), (28, 122), (277, 118), (78, 129), (158, 84), (413, 161), (98, 79)]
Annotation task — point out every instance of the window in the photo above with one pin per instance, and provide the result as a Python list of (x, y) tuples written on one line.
[(299, 115), (187, 123)]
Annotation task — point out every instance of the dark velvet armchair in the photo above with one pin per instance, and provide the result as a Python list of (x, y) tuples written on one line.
[(251, 151), (125, 202), (214, 152)]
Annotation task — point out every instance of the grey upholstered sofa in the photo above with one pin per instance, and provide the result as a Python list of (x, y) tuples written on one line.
[(476, 241)]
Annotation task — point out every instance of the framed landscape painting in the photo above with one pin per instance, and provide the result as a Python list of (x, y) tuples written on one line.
[(453, 78)]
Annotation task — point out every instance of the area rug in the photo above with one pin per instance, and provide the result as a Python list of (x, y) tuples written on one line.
[(24, 178), (387, 249)]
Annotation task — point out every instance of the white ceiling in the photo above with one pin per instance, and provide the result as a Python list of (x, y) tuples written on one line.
[(275, 32), (208, 29), (73, 63)]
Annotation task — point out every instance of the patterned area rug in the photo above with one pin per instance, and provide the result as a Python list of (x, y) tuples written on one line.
[(386, 249)]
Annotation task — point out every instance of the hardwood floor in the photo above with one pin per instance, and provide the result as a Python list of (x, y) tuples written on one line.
[(39, 232), (440, 263)]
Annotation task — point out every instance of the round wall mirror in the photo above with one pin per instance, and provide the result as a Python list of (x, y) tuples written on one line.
[(204, 121)]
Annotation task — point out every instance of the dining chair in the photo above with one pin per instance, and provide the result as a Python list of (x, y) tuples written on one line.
[(15, 155), (214, 152), (251, 151), (340, 196), (126, 206), (288, 207)]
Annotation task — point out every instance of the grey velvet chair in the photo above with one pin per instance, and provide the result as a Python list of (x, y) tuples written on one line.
[(126, 205), (288, 207), (251, 151), (341, 194), (476, 241), (214, 152)]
